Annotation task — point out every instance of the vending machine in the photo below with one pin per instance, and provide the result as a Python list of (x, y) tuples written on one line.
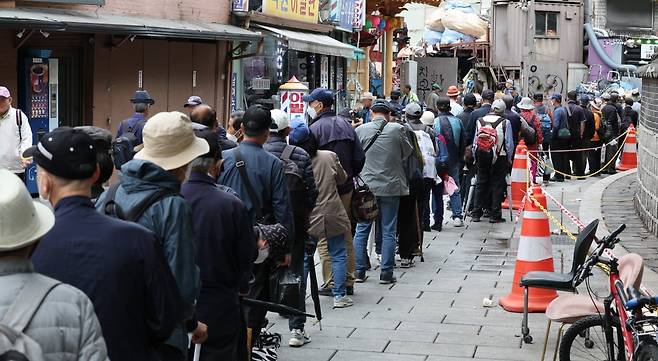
[(38, 99)]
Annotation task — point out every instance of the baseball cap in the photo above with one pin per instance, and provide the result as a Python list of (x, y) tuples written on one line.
[(299, 132), (584, 100), (498, 105), (256, 118), (443, 103), (469, 99), (214, 150), (4, 92), (280, 120), (413, 110), (381, 106), (322, 95), (192, 101), (556, 96), (65, 152), (142, 96), (488, 94)]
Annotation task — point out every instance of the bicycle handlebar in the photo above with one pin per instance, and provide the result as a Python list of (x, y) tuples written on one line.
[(607, 242)]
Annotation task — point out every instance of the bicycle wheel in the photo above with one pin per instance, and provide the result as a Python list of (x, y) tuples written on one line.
[(585, 341), (648, 351)]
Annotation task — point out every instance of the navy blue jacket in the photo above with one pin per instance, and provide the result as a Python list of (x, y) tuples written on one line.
[(266, 175), (334, 133), (121, 268), (226, 249), (136, 122), (171, 220), (275, 145)]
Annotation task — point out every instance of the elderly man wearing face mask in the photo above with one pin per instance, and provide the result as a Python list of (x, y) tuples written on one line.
[(334, 134)]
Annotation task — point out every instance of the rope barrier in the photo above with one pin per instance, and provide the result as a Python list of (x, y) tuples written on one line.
[(603, 167), (590, 148)]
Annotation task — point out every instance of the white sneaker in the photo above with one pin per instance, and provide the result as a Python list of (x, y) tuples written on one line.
[(379, 258), (298, 338), (457, 222), (342, 302)]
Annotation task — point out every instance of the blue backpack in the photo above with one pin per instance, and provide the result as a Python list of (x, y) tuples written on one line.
[(441, 159), (546, 129)]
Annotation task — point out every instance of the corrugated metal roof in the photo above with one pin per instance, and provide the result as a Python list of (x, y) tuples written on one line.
[(84, 21), (313, 43)]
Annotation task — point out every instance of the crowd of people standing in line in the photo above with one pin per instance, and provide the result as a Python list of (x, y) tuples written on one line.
[(204, 217)]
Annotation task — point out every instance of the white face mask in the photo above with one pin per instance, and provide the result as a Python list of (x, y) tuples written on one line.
[(311, 112), (44, 198)]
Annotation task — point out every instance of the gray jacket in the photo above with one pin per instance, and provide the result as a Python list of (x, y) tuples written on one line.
[(384, 170), (65, 326)]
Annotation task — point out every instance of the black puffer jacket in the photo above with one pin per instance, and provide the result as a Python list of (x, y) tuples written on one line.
[(275, 145)]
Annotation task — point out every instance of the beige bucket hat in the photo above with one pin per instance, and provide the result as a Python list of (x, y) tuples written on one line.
[(22, 220), (526, 104), (169, 141)]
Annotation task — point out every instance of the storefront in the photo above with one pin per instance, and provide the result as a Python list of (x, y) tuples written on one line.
[(69, 67), (318, 61)]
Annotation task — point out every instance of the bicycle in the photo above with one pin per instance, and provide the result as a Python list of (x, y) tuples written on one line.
[(622, 333)]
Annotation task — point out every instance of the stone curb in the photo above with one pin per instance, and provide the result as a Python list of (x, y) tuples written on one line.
[(590, 209)]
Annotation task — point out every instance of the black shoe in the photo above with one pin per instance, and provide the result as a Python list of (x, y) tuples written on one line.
[(486, 214), (427, 229), (326, 291), (350, 290), (437, 227), (475, 219), (557, 179), (359, 276), (387, 278), (497, 220)]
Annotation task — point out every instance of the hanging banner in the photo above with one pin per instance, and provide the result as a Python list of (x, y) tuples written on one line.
[(324, 71), (346, 14), (301, 10), (359, 13)]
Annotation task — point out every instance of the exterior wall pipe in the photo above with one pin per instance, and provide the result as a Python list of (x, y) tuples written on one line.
[(602, 54)]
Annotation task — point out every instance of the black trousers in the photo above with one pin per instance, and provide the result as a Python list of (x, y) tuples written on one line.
[(465, 185), (409, 225), (260, 290), (490, 185), (170, 353), (578, 158), (594, 156), (560, 159)]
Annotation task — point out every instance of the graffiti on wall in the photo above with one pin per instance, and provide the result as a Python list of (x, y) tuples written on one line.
[(442, 71), (547, 85)]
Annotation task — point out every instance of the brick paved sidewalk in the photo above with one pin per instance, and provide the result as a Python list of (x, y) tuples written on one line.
[(435, 310), (617, 207)]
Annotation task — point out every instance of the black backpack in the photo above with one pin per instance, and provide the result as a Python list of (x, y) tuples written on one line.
[(123, 147), (294, 179)]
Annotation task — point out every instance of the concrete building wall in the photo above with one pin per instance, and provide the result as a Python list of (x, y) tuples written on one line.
[(646, 199), (192, 10)]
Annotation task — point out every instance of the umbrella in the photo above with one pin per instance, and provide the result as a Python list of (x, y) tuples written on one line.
[(469, 194), (275, 307), (314, 290)]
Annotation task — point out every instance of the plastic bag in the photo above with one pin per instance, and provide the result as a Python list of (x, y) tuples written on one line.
[(434, 21), (432, 37), (465, 23), (284, 287), (449, 186), (453, 37)]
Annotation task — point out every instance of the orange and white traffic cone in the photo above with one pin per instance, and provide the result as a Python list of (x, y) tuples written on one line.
[(519, 176), (535, 253), (629, 156)]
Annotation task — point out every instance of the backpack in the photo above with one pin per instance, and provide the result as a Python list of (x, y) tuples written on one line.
[(445, 129), (427, 149), (14, 343), (590, 127), (528, 132), (486, 138), (441, 160), (546, 127), (626, 120), (123, 147), (112, 209), (19, 124), (294, 181), (413, 165)]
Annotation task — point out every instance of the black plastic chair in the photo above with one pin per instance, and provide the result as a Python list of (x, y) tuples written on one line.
[(554, 280)]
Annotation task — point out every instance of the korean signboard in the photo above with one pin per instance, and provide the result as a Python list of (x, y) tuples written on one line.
[(342, 13), (301, 10), (291, 94), (359, 14), (240, 5)]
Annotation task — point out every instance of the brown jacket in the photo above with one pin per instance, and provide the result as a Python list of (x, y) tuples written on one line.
[(329, 217)]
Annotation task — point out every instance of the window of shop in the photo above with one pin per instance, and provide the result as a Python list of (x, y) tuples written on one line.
[(546, 23)]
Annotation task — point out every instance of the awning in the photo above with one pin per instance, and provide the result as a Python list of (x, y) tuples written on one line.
[(86, 21), (359, 54), (312, 43)]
